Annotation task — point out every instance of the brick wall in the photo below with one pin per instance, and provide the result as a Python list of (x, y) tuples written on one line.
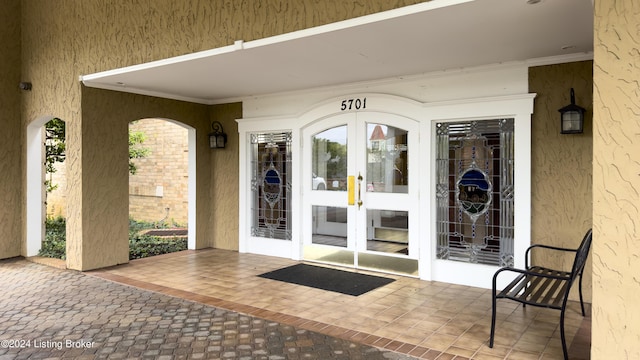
[(158, 190)]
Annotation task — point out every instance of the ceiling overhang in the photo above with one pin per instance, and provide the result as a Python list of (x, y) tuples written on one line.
[(424, 38)]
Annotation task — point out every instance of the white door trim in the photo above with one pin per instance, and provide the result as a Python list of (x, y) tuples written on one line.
[(519, 107)]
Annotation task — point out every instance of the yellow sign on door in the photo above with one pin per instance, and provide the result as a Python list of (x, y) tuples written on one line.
[(351, 186)]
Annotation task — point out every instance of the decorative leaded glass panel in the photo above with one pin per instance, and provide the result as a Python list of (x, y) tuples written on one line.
[(271, 185), (474, 191)]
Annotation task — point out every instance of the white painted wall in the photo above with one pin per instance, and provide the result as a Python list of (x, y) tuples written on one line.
[(450, 85)]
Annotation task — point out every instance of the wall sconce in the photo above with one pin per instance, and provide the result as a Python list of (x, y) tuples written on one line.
[(25, 85), (217, 137), (571, 117)]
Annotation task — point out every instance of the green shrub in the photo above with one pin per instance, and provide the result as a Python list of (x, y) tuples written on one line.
[(56, 226), (140, 246), (54, 244), (135, 226)]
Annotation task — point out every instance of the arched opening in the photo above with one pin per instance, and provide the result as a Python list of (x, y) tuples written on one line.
[(161, 187), (46, 180)]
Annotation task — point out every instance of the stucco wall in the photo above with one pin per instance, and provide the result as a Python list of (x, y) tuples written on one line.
[(63, 40), (616, 181), (224, 175), (10, 145), (561, 166), (160, 181), (66, 39), (99, 179)]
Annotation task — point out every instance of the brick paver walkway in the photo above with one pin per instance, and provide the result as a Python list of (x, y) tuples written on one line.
[(47, 313)]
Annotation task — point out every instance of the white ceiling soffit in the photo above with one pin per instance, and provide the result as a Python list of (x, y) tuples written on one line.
[(424, 38)]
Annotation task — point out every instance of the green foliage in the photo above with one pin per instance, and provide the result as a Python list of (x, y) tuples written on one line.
[(55, 146), (54, 245), (55, 225), (140, 246), (336, 165), (136, 151), (135, 226)]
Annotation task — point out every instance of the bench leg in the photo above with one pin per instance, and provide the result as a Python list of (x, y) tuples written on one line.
[(493, 320), (564, 341), (580, 290)]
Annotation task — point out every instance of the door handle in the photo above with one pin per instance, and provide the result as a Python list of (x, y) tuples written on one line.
[(359, 188)]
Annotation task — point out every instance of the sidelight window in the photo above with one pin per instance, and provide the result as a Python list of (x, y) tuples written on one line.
[(474, 191), (271, 185)]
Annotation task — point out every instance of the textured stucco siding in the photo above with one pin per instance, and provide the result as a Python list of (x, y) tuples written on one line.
[(561, 166), (66, 39), (616, 180), (103, 197), (160, 181), (10, 136), (224, 177), (51, 43)]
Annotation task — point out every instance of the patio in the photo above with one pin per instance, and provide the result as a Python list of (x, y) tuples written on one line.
[(424, 319), (49, 313)]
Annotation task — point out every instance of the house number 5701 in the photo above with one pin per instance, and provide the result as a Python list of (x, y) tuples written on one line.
[(353, 104)]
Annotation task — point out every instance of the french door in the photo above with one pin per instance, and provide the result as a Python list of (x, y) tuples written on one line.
[(360, 192)]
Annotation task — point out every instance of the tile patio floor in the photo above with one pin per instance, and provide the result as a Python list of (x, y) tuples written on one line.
[(49, 313), (428, 320)]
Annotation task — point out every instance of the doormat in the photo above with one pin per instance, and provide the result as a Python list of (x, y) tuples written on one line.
[(318, 277)]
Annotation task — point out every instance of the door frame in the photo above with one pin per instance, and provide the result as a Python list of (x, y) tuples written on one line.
[(519, 107), (357, 228), (326, 198), (368, 103)]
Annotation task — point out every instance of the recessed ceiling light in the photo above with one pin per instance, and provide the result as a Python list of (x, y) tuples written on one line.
[(120, 83), (568, 47), (533, 2)]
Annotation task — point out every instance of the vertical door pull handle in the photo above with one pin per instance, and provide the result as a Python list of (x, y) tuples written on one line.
[(359, 189)]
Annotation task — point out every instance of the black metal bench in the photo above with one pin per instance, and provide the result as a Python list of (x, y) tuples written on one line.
[(543, 287)]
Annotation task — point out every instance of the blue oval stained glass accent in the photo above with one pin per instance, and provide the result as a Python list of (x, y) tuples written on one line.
[(272, 188), (272, 177), (474, 192)]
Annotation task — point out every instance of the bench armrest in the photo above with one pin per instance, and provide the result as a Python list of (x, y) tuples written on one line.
[(526, 254)]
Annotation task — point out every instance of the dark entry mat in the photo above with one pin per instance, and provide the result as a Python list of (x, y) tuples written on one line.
[(340, 281)]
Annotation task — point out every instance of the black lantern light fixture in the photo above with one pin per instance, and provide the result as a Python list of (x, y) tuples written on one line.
[(571, 117), (25, 85), (217, 137)]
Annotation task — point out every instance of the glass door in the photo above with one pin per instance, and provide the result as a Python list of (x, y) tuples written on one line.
[(328, 212), (360, 198)]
